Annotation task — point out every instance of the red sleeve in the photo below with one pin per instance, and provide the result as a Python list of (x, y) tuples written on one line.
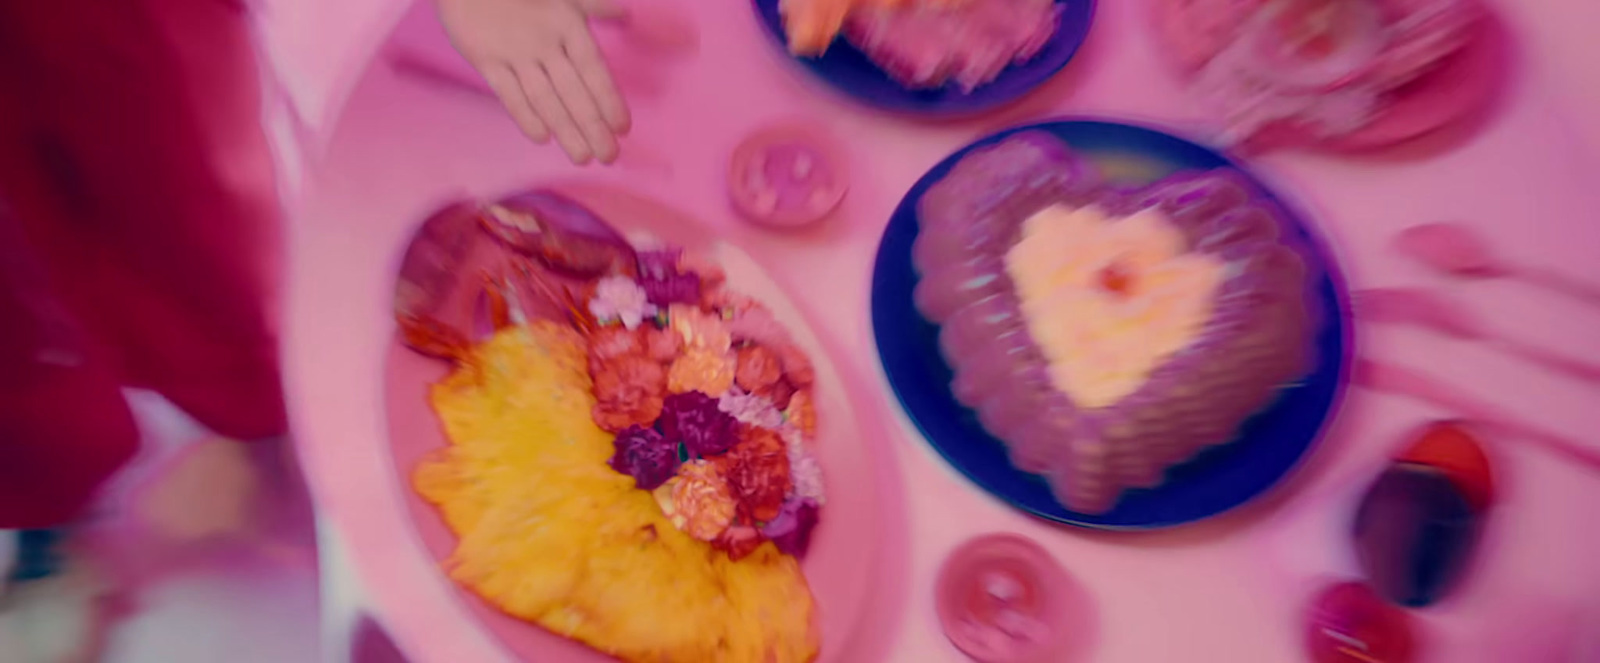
[(131, 148), (62, 434), (64, 426)]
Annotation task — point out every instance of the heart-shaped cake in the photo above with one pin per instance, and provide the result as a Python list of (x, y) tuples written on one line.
[(1103, 334)]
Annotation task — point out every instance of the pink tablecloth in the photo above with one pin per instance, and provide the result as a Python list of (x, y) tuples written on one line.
[(1228, 590)]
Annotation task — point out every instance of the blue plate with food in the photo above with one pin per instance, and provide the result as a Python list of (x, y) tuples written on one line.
[(931, 57), (1105, 325)]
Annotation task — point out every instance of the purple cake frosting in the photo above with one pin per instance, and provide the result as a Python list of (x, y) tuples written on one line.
[(1257, 340)]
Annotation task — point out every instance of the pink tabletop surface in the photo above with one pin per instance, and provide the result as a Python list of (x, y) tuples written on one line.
[(1231, 589)]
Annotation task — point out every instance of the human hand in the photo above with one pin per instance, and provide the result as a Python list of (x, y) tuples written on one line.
[(209, 492), (541, 60)]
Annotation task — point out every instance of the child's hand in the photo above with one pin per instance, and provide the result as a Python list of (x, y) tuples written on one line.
[(541, 60), (210, 492)]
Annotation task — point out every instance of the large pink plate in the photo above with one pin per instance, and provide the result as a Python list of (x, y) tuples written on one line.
[(1463, 87), (846, 563), (1466, 83)]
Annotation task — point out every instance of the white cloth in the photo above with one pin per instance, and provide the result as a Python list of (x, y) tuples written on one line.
[(8, 552)]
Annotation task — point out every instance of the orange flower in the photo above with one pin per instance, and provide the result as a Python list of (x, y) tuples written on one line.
[(701, 370), (758, 369), (702, 504), (757, 472), (662, 345), (778, 394), (614, 341), (699, 329), (802, 412), (796, 366), (628, 391)]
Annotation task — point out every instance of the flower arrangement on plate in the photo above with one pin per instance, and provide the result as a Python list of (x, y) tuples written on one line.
[(629, 457)]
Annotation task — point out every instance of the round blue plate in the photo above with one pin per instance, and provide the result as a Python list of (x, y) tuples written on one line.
[(1270, 444), (849, 70)]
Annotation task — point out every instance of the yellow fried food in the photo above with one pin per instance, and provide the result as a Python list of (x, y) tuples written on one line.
[(551, 534)]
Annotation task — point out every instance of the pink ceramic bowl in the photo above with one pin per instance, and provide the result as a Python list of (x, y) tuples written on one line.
[(788, 175), (1001, 598)]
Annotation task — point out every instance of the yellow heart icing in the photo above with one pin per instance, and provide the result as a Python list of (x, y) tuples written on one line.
[(1109, 299)]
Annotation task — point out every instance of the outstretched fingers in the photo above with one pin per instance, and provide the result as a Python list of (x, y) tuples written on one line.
[(547, 102), (504, 82), (590, 66)]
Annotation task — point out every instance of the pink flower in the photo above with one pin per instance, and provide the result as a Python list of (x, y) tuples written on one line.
[(618, 298), (791, 530), (751, 409), (804, 469)]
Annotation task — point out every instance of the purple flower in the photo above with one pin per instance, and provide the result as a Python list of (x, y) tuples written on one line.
[(693, 419), (645, 455), (791, 530), (676, 289), (662, 282), (659, 264)]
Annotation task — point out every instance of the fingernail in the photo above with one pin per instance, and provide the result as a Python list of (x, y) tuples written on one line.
[(578, 153)]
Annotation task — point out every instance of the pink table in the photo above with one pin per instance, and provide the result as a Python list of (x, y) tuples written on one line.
[(1226, 590)]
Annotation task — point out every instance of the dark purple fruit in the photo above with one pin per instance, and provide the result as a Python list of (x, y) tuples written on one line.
[(1415, 532)]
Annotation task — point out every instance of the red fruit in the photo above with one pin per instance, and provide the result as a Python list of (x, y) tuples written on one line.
[(1451, 448), (1349, 623)]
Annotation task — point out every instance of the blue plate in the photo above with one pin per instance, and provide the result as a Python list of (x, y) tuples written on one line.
[(849, 70), (1270, 444)]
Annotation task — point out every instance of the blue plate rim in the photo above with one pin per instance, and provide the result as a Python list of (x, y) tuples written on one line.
[(898, 104), (1331, 269)]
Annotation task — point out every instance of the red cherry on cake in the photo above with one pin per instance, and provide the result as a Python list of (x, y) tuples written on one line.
[(1115, 279), (1349, 623), (1451, 448)]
